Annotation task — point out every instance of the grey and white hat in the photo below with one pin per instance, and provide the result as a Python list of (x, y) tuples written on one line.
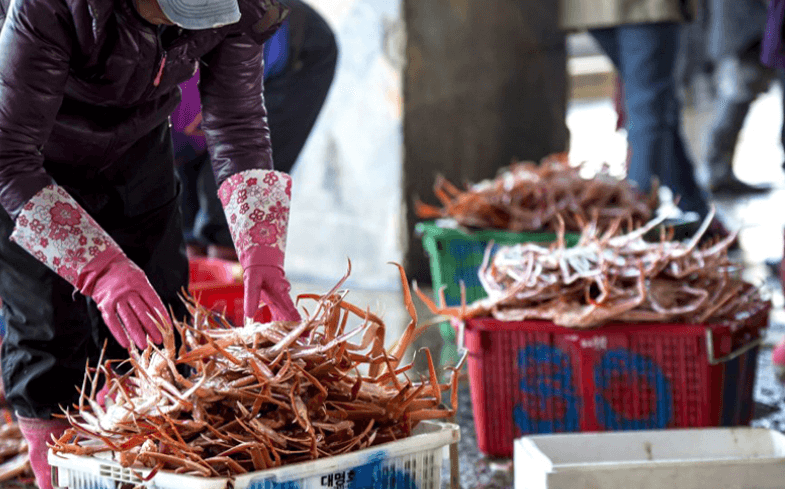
[(201, 14)]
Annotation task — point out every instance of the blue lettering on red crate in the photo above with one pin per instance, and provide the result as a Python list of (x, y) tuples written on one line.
[(631, 392), (547, 385), (378, 472)]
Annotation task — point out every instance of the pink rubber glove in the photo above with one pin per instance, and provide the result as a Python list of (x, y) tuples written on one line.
[(55, 229), (256, 203)]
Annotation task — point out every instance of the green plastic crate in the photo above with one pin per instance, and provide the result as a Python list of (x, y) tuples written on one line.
[(456, 255)]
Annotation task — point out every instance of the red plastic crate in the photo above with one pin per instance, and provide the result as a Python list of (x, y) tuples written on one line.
[(217, 285), (214, 271), (226, 299), (535, 377)]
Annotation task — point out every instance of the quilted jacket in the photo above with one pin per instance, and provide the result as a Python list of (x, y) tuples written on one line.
[(82, 80)]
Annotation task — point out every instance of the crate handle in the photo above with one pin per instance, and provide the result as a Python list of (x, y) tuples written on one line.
[(730, 356), (460, 335), (464, 354)]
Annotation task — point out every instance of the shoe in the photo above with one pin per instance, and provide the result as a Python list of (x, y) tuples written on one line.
[(732, 186), (773, 265)]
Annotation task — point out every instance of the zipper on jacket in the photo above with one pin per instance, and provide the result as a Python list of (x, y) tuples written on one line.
[(157, 80), (160, 51)]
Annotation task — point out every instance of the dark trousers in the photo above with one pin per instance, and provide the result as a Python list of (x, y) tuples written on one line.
[(645, 57), (293, 99), (203, 217), (740, 80), (52, 331)]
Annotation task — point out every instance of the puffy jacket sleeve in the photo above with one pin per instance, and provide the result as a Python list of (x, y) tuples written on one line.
[(35, 52), (234, 118)]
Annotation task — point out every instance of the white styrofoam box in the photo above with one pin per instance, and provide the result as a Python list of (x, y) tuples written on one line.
[(727, 458), (411, 463)]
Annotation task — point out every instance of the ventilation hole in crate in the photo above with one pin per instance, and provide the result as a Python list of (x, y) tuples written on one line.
[(429, 472), (119, 474), (80, 480)]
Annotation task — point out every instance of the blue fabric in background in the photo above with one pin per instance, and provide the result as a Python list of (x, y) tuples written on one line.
[(276, 52)]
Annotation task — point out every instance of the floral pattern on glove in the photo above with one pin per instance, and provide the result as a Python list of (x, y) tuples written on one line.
[(55, 229), (256, 204)]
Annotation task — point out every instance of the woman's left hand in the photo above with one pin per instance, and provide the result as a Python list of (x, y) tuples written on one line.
[(256, 204)]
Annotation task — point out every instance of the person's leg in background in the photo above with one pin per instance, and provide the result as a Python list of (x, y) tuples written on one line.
[(189, 172), (618, 104), (739, 82), (648, 56), (639, 170), (780, 74), (694, 66), (606, 38), (645, 56), (295, 97), (778, 354), (210, 226), (777, 265)]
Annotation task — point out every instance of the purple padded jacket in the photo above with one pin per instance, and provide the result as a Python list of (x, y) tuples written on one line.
[(82, 80), (773, 49)]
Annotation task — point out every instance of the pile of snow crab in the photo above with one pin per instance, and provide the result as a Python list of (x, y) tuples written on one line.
[(14, 461), (530, 197), (235, 400), (613, 277)]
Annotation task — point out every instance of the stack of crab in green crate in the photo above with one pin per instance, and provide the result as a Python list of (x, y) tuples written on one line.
[(526, 202)]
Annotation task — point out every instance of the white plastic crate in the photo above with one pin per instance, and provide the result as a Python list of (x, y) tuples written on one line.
[(411, 463), (727, 458)]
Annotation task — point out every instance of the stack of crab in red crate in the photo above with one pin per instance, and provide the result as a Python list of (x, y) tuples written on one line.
[(616, 333)]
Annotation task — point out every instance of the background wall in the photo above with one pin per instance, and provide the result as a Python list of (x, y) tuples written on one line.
[(457, 87), (347, 183)]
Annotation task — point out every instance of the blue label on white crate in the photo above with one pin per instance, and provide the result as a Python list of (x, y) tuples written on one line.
[(631, 392), (547, 386), (266, 484), (377, 473)]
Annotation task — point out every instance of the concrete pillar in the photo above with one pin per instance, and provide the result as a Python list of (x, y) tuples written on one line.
[(485, 83)]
